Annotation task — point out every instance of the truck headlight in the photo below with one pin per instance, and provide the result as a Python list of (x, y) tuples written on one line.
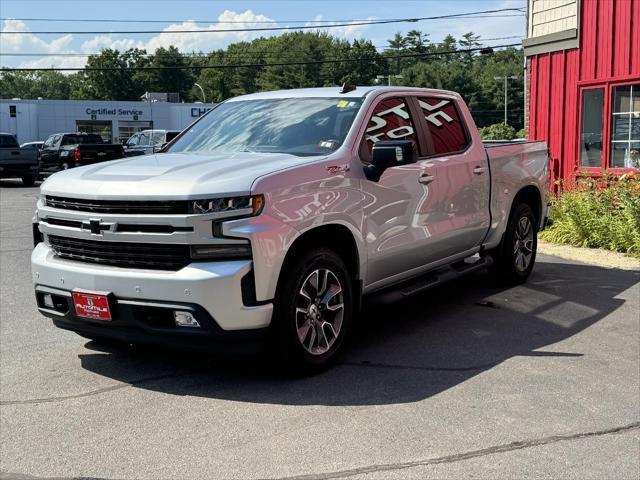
[(221, 252), (252, 204)]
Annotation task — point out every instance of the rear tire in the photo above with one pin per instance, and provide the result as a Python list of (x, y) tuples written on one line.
[(28, 180), (313, 311), (514, 258)]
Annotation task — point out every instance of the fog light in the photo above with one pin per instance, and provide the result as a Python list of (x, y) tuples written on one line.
[(185, 319), (47, 300)]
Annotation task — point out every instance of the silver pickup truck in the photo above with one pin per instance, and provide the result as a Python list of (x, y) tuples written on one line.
[(273, 216)]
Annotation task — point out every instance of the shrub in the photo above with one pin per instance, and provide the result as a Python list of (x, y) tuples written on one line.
[(498, 131), (522, 133), (598, 213)]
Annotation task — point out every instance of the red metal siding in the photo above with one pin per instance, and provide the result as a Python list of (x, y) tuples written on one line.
[(609, 51)]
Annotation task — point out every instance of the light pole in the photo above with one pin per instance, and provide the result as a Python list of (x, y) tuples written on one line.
[(382, 77), (204, 98), (505, 78)]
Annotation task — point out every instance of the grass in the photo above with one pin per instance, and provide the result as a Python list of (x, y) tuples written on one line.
[(599, 212)]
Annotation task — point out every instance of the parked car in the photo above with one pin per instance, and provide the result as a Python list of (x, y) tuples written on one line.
[(273, 216), (148, 141), (16, 161), (62, 151)]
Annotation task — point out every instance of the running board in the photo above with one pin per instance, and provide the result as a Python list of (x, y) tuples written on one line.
[(425, 282)]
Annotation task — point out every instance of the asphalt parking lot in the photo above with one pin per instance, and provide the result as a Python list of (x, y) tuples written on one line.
[(469, 380)]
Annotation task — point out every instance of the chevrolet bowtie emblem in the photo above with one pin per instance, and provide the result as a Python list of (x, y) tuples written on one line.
[(95, 226)]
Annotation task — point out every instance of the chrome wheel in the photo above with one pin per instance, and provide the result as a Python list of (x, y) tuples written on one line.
[(319, 311), (523, 244)]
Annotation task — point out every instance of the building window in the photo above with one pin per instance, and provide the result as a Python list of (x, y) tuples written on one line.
[(100, 127), (591, 129), (127, 128), (625, 127)]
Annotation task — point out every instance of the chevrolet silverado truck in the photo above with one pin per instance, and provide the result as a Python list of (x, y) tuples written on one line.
[(16, 161), (273, 216), (62, 151)]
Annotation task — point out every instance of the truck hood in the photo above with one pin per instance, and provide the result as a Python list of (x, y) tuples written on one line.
[(170, 176)]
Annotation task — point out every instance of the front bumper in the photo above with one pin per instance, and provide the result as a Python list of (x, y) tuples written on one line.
[(212, 290), (18, 170)]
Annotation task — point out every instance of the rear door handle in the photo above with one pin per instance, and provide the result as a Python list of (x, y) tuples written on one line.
[(479, 170), (425, 179), (15, 152)]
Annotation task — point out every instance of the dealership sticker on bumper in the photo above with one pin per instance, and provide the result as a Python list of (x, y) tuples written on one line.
[(92, 305)]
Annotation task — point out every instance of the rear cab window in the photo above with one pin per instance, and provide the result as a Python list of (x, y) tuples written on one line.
[(445, 125), (8, 141)]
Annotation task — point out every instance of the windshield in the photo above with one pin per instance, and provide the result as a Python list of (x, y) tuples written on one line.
[(300, 126)]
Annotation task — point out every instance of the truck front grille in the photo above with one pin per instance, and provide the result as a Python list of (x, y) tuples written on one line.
[(122, 254), (169, 207)]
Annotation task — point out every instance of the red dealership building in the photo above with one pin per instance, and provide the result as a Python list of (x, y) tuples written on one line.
[(583, 83)]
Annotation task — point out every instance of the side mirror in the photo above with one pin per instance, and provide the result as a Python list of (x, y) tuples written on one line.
[(387, 154), (160, 148)]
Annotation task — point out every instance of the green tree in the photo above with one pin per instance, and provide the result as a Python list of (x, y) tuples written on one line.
[(45, 84), (172, 73), (107, 77), (417, 41)]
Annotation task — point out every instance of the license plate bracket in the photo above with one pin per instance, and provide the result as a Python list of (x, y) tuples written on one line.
[(93, 305)]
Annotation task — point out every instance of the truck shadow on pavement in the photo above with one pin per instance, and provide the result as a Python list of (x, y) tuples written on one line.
[(404, 352)]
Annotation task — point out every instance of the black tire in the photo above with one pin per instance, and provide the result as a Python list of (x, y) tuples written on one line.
[(28, 180), (298, 355), (514, 258)]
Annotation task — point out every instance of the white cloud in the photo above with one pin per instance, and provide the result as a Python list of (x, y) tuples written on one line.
[(28, 43), (55, 62), (105, 41), (185, 42), (350, 31), (206, 42)]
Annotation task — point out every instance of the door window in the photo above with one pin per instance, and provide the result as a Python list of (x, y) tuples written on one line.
[(133, 141), (448, 134), (390, 120), (144, 139)]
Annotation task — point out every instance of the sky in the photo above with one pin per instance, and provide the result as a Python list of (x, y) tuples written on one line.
[(218, 14)]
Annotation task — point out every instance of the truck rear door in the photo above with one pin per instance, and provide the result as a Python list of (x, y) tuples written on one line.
[(456, 209)]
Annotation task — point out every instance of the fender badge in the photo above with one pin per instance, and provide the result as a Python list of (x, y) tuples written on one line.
[(336, 169)]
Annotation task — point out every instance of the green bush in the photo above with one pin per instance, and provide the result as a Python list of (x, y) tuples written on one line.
[(498, 131), (598, 213), (522, 133)]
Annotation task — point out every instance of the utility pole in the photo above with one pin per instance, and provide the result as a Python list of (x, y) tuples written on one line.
[(505, 78)]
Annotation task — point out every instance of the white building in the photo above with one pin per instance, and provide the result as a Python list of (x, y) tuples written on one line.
[(33, 120)]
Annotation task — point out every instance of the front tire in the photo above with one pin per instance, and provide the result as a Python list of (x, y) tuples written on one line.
[(514, 259), (28, 180), (313, 311)]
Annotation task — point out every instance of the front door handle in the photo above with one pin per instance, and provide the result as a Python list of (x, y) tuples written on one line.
[(479, 170), (425, 179)]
